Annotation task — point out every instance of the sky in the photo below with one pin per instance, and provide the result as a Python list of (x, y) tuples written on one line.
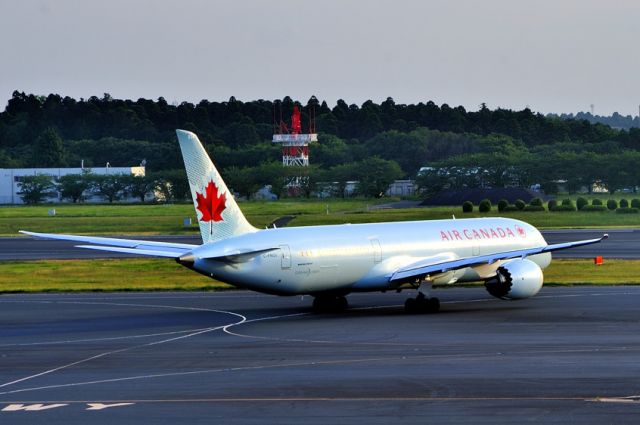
[(548, 55)]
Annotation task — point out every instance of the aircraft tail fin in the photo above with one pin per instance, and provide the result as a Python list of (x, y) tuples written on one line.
[(218, 214)]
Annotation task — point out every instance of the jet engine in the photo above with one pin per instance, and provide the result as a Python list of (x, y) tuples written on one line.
[(515, 279)]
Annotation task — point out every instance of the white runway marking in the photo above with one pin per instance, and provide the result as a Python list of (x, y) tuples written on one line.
[(447, 357), (243, 320), (115, 338), (286, 399), (392, 344), (112, 338), (132, 295), (102, 406), (17, 407), (108, 353)]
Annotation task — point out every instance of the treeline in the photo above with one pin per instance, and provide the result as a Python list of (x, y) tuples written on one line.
[(614, 120), (164, 186), (469, 148), (373, 175), (571, 167), (566, 205)]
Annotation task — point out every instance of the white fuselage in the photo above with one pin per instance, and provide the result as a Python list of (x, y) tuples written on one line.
[(360, 257)]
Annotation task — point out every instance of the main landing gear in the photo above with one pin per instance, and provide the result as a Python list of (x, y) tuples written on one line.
[(422, 304), (330, 304)]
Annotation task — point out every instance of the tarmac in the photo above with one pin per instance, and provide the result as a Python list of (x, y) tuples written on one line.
[(568, 355), (623, 243)]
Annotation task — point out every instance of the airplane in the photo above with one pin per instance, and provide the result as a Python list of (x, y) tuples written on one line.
[(332, 261)]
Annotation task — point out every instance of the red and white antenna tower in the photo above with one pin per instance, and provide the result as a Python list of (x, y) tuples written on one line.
[(295, 144)]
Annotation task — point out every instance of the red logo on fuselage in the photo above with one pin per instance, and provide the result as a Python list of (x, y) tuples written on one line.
[(482, 233)]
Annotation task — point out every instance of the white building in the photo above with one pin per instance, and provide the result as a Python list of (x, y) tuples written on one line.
[(10, 177), (401, 188), (397, 188)]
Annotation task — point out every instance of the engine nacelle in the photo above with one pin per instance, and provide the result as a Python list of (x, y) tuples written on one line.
[(516, 279)]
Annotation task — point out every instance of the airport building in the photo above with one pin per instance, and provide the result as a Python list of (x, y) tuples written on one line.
[(11, 177)]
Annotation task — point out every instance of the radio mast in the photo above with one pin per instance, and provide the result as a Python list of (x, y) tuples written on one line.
[(295, 145)]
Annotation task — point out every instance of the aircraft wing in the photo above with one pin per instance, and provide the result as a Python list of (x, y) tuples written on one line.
[(428, 267), (127, 246)]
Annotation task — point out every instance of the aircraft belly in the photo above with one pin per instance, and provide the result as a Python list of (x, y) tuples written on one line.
[(266, 274), (323, 274), (262, 273)]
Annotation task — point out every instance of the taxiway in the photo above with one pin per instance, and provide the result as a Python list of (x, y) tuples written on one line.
[(569, 355)]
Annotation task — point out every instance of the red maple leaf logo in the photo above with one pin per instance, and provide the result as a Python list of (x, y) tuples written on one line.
[(210, 204), (521, 231)]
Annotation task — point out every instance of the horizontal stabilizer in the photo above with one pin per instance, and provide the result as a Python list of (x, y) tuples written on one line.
[(235, 256), (126, 246), (240, 255), (146, 252)]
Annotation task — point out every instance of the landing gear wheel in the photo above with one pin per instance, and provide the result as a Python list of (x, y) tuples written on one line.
[(433, 305), (327, 304), (341, 304), (421, 304), (410, 305)]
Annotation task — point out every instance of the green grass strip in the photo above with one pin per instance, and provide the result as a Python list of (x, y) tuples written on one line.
[(585, 272), (166, 275), (168, 219), (101, 275)]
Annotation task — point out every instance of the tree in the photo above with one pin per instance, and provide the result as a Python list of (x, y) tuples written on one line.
[(73, 186), (173, 185), (242, 134), (613, 173), (432, 180), (329, 151), (35, 189), (272, 174), (409, 150), (140, 186), (6, 161), (581, 202), (112, 187), (484, 206), (338, 177), (375, 175), (48, 150), (242, 180)]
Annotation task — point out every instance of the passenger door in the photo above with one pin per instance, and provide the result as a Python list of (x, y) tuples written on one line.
[(377, 250), (285, 257)]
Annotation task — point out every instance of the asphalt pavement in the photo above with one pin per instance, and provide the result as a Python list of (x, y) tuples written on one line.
[(568, 355)]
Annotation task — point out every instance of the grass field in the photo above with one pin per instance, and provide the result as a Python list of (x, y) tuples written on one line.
[(168, 219), (155, 275), (101, 275)]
